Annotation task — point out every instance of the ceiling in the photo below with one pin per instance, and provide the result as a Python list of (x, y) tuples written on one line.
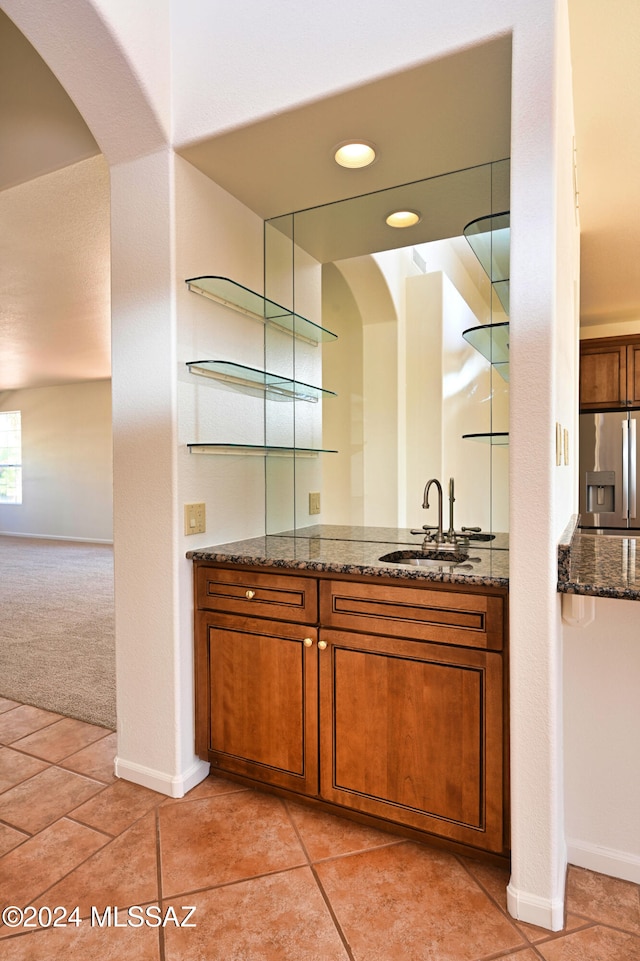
[(54, 205)]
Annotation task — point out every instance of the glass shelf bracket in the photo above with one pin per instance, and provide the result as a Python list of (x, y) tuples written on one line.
[(496, 439), (492, 341), (245, 301), (489, 238), (257, 450), (241, 376)]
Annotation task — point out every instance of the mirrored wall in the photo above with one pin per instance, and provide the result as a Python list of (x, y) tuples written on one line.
[(402, 373)]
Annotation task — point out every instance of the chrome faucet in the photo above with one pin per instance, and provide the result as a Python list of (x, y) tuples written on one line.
[(442, 539), (425, 503), (451, 533)]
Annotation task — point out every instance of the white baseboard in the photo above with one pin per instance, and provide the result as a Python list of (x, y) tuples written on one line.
[(171, 785), (543, 912), (57, 537), (617, 864)]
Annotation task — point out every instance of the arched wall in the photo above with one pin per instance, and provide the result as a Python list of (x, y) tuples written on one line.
[(124, 112), (379, 332)]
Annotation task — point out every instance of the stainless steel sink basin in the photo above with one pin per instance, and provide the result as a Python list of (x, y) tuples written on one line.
[(436, 558)]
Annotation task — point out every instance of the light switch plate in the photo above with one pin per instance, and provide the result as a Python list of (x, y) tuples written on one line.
[(314, 502), (194, 519)]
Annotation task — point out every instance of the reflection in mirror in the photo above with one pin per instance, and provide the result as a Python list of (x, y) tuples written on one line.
[(411, 382)]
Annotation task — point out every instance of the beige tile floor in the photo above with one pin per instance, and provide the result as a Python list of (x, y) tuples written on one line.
[(267, 880)]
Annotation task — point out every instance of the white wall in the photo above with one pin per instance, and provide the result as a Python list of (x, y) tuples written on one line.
[(601, 725), (67, 489), (215, 234)]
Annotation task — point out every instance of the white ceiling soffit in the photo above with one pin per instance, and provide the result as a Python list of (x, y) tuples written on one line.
[(40, 128), (445, 115), (357, 226)]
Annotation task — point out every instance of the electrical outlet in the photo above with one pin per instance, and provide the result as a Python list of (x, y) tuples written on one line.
[(194, 519), (314, 502)]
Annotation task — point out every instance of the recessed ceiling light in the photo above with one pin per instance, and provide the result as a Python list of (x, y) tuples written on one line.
[(354, 154), (404, 218)]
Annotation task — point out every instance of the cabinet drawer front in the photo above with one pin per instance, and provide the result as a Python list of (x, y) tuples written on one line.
[(423, 614), (252, 593)]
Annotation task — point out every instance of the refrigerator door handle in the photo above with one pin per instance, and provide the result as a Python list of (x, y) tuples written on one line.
[(632, 467), (625, 467)]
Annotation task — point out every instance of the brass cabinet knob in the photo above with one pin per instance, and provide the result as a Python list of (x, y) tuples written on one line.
[(308, 642), (322, 645), (249, 595)]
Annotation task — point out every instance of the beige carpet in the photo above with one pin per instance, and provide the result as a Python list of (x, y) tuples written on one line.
[(57, 627)]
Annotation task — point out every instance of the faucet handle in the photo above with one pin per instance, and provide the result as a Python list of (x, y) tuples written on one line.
[(474, 530)]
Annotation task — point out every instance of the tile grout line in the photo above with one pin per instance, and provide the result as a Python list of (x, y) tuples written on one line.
[(161, 938), (512, 921), (69, 817), (509, 953), (12, 746), (320, 886), (350, 854), (59, 760), (229, 884), (59, 717), (64, 770), (65, 814), (597, 922)]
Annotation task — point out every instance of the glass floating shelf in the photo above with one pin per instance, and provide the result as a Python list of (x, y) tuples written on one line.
[(228, 292), (497, 439), (489, 238), (501, 288), (238, 375), (492, 341), (257, 450)]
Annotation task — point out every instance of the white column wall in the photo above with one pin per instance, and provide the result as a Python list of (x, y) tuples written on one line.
[(155, 746), (541, 289)]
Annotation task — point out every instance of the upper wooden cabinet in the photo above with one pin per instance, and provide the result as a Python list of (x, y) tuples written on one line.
[(610, 373)]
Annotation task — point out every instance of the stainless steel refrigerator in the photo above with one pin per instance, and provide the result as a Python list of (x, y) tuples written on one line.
[(609, 471)]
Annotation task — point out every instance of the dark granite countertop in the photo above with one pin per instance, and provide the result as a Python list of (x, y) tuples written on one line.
[(357, 550), (600, 565)]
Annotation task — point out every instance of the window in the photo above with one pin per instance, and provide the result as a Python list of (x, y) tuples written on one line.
[(10, 457)]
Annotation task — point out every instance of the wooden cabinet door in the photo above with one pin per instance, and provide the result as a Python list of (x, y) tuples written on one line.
[(633, 375), (256, 709), (603, 375), (413, 733)]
